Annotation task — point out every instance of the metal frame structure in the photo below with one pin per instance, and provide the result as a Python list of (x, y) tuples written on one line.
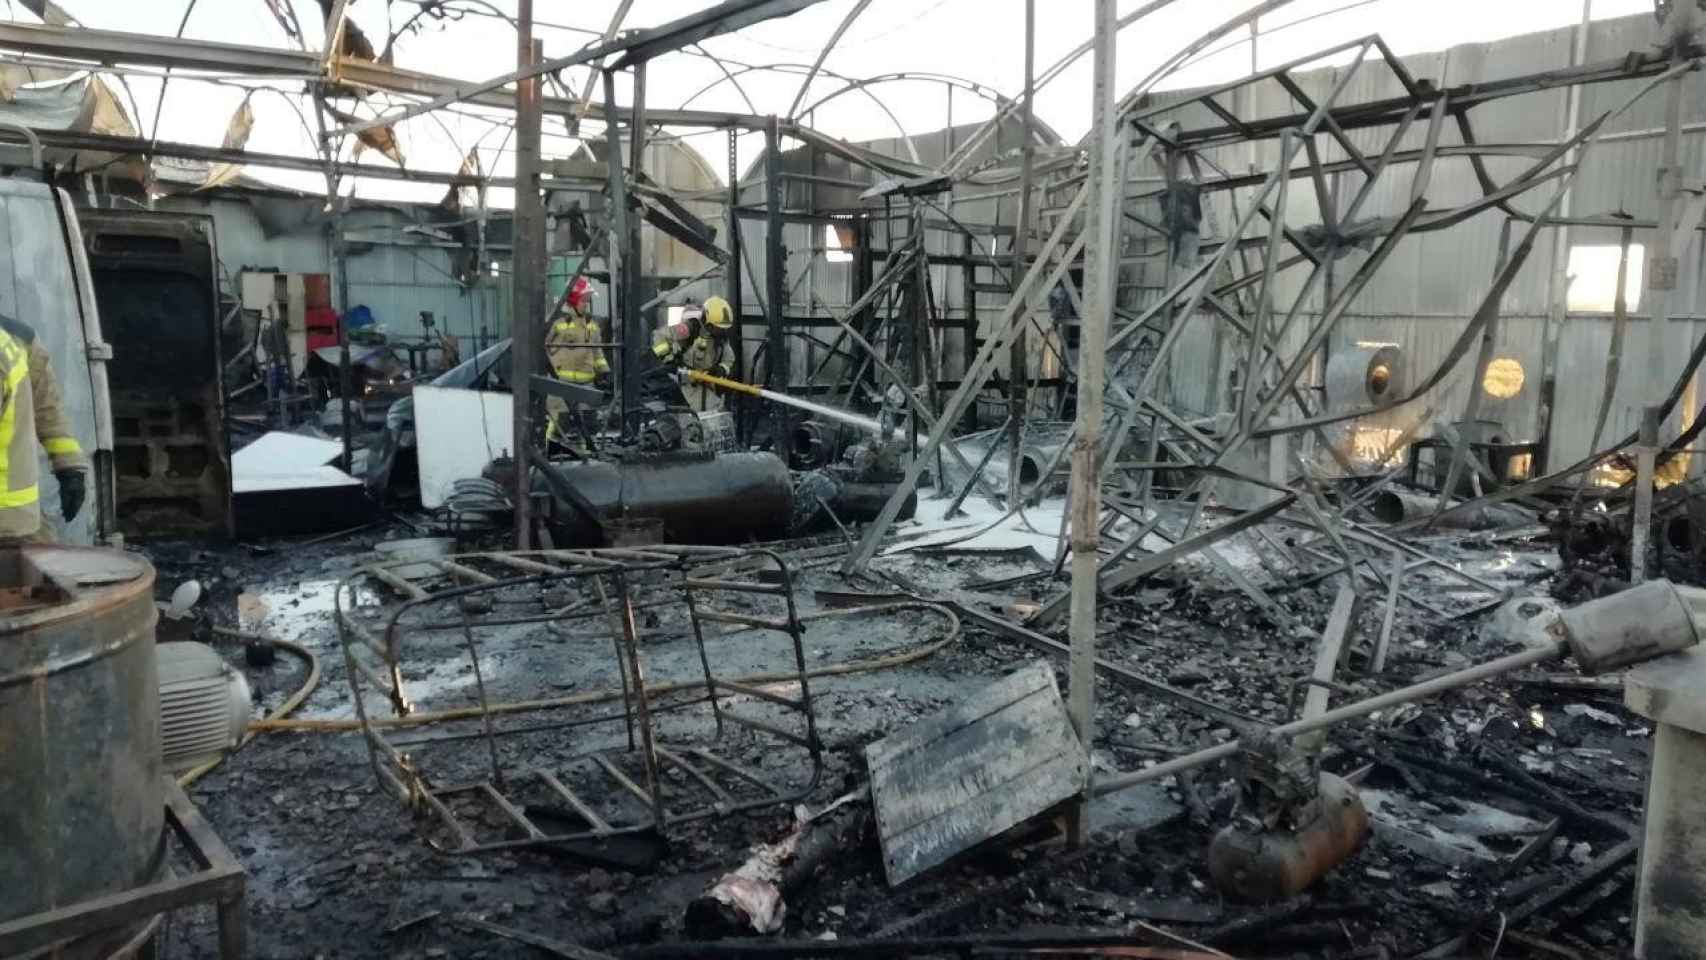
[(1232, 282), (217, 879), (1276, 349), (1268, 327), (457, 596)]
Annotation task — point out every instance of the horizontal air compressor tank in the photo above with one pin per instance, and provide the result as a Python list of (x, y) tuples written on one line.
[(724, 499)]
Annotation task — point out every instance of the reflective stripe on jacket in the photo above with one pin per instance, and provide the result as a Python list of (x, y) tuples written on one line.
[(20, 513), (572, 361), (53, 427)]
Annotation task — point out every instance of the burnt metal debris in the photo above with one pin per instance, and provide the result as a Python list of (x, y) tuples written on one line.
[(466, 598), (1274, 515)]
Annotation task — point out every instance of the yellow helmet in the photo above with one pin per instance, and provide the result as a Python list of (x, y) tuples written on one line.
[(718, 314)]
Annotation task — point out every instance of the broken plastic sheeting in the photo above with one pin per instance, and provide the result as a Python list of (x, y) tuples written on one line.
[(752, 895), (755, 899), (236, 138), (754, 890)]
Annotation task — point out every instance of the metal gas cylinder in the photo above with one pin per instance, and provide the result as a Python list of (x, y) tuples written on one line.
[(1261, 865), (81, 802)]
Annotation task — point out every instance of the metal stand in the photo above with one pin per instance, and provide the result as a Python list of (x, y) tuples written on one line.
[(219, 879)]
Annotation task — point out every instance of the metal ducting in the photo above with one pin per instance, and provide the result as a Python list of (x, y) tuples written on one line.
[(204, 705), (1371, 374)]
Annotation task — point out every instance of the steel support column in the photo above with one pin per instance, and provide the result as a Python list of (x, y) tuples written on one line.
[(731, 277), (624, 260), (527, 266), (1663, 269), (1018, 355), (340, 259), (775, 284), (1101, 267), (636, 333)]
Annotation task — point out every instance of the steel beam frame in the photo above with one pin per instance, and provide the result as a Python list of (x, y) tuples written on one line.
[(632, 50)]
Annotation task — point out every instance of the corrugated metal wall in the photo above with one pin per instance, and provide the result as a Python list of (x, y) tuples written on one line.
[(396, 276), (1425, 294)]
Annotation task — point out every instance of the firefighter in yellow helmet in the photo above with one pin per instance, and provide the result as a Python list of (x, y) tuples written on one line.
[(31, 409), (572, 359), (701, 340)]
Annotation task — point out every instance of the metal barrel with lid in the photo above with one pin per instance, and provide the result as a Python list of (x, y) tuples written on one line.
[(81, 802)]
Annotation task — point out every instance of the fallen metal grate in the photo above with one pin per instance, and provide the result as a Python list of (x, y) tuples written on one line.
[(514, 778)]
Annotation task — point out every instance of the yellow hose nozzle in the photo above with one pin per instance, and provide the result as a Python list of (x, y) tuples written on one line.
[(699, 376)]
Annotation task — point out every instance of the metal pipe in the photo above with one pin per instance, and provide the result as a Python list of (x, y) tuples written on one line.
[(1398, 506), (1351, 711)]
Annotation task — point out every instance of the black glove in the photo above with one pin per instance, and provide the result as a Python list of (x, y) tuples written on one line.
[(73, 487), (601, 380)]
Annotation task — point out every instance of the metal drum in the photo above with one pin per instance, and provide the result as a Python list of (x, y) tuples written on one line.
[(81, 807)]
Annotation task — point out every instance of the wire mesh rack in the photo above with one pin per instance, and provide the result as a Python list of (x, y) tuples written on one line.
[(490, 636)]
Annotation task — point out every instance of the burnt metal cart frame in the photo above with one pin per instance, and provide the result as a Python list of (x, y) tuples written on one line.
[(463, 595)]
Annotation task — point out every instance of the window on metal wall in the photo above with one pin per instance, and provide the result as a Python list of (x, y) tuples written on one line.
[(837, 244), (1593, 277)]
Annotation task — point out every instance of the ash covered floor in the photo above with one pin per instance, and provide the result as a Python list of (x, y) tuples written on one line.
[(1505, 811)]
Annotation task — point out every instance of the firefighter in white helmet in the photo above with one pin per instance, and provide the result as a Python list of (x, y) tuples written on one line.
[(701, 340)]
